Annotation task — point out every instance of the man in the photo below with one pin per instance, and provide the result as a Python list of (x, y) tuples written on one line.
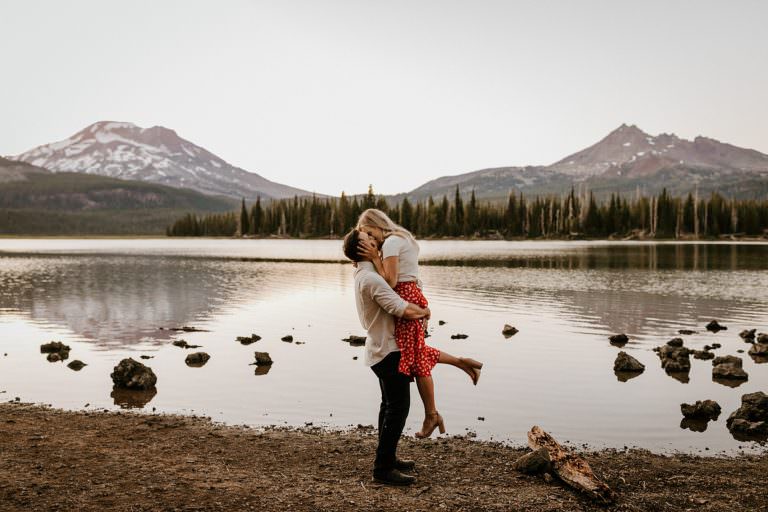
[(376, 304)]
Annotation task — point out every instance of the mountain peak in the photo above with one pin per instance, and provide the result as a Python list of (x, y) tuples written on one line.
[(159, 155)]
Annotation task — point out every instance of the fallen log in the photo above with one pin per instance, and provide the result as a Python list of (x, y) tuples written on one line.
[(572, 469)]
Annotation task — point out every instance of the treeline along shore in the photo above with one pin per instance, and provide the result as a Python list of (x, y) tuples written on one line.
[(572, 215)]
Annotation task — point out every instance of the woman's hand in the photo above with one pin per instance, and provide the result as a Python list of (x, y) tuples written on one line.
[(368, 250)]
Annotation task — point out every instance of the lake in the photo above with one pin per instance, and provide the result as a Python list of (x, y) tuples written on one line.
[(108, 298)]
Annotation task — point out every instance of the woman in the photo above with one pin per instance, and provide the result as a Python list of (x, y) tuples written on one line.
[(398, 263)]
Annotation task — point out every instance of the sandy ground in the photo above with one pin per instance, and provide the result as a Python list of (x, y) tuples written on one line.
[(57, 460)]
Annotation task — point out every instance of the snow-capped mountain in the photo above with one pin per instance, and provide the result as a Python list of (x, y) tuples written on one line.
[(626, 160), (629, 149), (157, 155)]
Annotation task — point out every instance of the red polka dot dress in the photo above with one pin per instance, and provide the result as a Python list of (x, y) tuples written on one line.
[(416, 357)]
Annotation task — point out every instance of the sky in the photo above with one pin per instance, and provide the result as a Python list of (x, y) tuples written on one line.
[(332, 95)]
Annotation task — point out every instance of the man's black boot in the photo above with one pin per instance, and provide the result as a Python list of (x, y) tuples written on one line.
[(392, 477), (405, 465)]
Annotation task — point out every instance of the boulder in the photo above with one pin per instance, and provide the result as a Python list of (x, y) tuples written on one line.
[(758, 349), (197, 359), (714, 326), (762, 338), (618, 339), (748, 335), (247, 340), (626, 363), (509, 330), (459, 336), (701, 410), (675, 342), (751, 419), (76, 365), (728, 368), (534, 463), (262, 358), (287, 339), (686, 332), (131, 374)]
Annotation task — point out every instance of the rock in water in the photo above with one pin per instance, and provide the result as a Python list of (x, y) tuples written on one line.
[(758, 349), (441, 322), (750, 421), (509, 330), (626, 363), (702, 354), (674, 359), (728, 367), (76, 365), (618, 339), (714, 326), (262, 358), (702, 410), (675, 342), (288, 339), (686, 332), (131, 374), (459, 336), (355, 341), (197, 359), (534, 463), (748, 335), (247, 340), (762, 338), (184, 344), (54, 347)]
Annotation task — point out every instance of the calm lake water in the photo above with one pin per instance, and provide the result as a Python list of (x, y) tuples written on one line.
[(108, 298)]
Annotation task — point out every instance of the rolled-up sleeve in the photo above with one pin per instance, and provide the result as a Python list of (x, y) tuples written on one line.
[(385, 296)]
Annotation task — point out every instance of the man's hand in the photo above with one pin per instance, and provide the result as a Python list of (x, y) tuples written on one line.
[(414, 312), (368, 250)]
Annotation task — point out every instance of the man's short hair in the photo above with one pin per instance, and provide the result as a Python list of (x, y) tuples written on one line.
[(351, 241)]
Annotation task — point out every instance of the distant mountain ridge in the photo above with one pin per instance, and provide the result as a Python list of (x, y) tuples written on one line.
[(156, 155), (625, 161)]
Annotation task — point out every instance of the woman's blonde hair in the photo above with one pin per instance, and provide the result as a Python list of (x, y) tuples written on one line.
[(379, 219)]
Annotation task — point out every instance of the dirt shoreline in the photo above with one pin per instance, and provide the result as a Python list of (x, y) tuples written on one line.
[(58, 460)]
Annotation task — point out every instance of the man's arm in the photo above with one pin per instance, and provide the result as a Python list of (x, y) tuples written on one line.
[(391, 302), (414, 312)]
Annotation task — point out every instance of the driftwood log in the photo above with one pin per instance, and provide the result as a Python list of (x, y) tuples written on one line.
[(571, 468)]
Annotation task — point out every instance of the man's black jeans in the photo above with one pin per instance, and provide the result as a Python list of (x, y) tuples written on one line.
[(395, 403)]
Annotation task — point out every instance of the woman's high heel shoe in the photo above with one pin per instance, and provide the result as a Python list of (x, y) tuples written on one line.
[(473, 369), (431, 422)]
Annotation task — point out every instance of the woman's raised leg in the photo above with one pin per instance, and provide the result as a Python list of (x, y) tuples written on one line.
[(469, 366)]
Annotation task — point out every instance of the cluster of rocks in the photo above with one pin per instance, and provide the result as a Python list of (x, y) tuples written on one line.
[(59, 352), (56, 350), (675, 358), (247, 340)]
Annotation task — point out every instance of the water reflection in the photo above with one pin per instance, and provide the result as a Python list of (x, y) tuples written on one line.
[(694, 424), (132, 398)]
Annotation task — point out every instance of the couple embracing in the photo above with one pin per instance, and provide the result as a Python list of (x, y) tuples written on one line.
[(395, 313)]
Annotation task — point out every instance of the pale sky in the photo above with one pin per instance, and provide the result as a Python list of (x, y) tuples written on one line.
[(331, 95)]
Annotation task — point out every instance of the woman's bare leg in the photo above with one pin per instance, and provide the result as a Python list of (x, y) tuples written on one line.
[(432, 418), (469, 366)]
